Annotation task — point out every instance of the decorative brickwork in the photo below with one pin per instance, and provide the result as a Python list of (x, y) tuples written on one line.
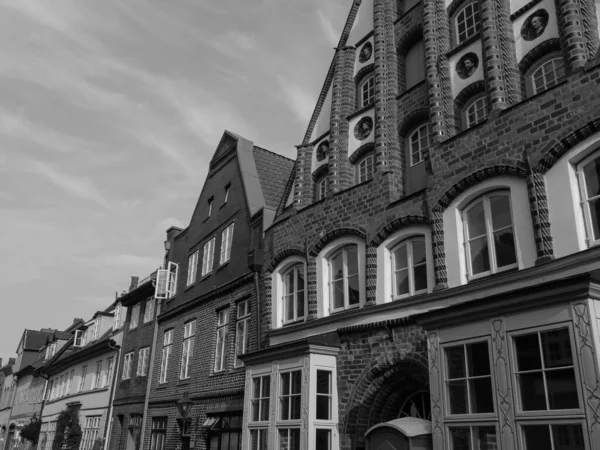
[(590, 26), (439, 251), (572, 33), (538, 199), (371, 275), (550, 45), (311, 282), (492, 54), (397, 224), (303, 183), (332, 236), (284, 255), (508, 54), (361, 151)]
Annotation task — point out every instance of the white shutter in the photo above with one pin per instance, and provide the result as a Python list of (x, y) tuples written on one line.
[(162, 277), (172, 280)]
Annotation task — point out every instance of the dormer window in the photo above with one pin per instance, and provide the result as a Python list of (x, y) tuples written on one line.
[(96, 329), (117, 317), (367, 91), (79, 339)]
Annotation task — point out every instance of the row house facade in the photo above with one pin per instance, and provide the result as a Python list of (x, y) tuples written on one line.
[(208, 295), (6, 398), (430, 275), (80, 380)]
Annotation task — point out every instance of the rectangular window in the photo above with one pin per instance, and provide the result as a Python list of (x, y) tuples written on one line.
[(108, 373), (259, 439), (480, 437), (559, 436), (172, 279), (149, 310), (117, 317), (143, 357), (96, 377), (49, 390), (290, 396), (261, 395), (158, 433), (187, 351), (208, 256), (227, 188), (469, 379), (226, 240), (222, 325), (127, 363), (192, 267), (166, 355), (545, 371), (61, 385), (82, 379), (78, 339), (323, 439), (69, 381), (135, 315), (242, 329), (289, 439), (209, 209), (324, 395), (90, 432)]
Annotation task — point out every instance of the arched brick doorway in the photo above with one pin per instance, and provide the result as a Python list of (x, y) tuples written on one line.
[(386, 391)]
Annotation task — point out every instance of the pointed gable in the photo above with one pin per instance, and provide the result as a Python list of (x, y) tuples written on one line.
[(322, 123), (363, 24)]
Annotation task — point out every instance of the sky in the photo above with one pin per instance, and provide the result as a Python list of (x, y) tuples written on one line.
[(109, 114)]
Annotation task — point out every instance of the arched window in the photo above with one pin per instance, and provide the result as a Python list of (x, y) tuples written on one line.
[(344, 278), (294, 289), (365, 168), (549, 72), (418, 141), (414, 64), (409, 267), (476, 111), (489, 235), (588, 173), (321, 189), (367, 91), (467, 21)]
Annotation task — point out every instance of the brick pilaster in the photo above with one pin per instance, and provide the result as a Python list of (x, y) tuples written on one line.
[(303, 183), (590, 26), (538, 200), (571, 33), (439, 251), (266, 310), (387, 145), (343, 101), (311, 283), (371, 278)]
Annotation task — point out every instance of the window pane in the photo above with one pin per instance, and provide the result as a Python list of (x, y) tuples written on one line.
[(418, 247), (481, 395), (537, 437), (289, 282), (528, 352), (266, 388), (323, 381), (567, 437), (479, 359), (352, 259), (224, 441), (289, 307), (476, 221), (531, 386), (353, 297), (402, 282), (456, 362), (300, 273), (460, 438), (300, 304), (594, 206), (285, 408), (562, 390), (337, 267), (480, 257), (338, 294), (264, 409), (500, 206), (591, 174), (401, 257), (457, 391), (255, 410), (295, 410), (557, 348), (420, 278), (504, 243), (285, 383), (323, 410), (323, 440), (296, 382), (486, 438), (234, 440)]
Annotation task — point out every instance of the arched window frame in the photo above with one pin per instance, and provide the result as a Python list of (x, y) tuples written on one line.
[(466, 17), (474, 105), (385, 292), (559, 75), (365, 168), (592, 237), (412, 268), (278, 290), (325, 304), (366, 90), (421, 137), (321, 188), (296, 274)]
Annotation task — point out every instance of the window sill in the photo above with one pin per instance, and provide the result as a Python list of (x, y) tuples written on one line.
[(184, 381), (464, 44), (411, 89), (477, 278), (223, 265), (162, 386), (360, 111)]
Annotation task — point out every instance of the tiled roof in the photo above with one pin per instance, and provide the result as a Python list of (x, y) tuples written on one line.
[(34, 340), (273, 171)]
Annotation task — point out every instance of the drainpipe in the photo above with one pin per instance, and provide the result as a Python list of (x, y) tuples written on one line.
[(113, 390), (149, 380)]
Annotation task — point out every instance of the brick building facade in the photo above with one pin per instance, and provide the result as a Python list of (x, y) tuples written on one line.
[(449, 154)]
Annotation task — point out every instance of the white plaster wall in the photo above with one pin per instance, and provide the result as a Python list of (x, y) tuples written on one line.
[(517, 4), (353, 143), (522, 225), (363, 24), (314, 163), (522, 47), (566, 218), (458, 84), (323, 121), (357, 64)]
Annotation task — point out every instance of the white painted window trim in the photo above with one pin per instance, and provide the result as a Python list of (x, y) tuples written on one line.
[(522, 226), (365, 99), (385, 279), (278, 289), (583, 199), (419, 131), (323, 273)]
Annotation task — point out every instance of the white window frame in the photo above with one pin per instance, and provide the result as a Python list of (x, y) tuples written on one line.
[(187, 349), (208, 256), (143, 360), (127, 364), (149, 310), (90, 432), (540, 66), (281, 395), (242, 331), (117, 317), (417, 155), (257, 403), (97, 375), (474, 106), (166, 355), (363, 165), (489, 235), (324, 301), (296, 269), (192, 268), (158, 433), (585, 199), (226, 243), (409, 242), (173, 269), (366, 90), (82, 378), (470, 426), (321, 189), (221, 342), (79, 340), (278, 289), (469, 11), (106, 376)]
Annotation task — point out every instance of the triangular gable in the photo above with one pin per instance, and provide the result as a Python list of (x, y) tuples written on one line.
[(228, 141), (329, 78), (363, 24), (322, 123)]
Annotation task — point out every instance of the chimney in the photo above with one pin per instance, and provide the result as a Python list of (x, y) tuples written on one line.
[(134, 283)]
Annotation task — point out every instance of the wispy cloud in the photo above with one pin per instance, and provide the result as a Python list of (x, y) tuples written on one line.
[(329, 30), (297, 99)]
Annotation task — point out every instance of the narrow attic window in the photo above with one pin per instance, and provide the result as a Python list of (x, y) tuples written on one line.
[(79, 339), (210, 203), (226, 193)]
